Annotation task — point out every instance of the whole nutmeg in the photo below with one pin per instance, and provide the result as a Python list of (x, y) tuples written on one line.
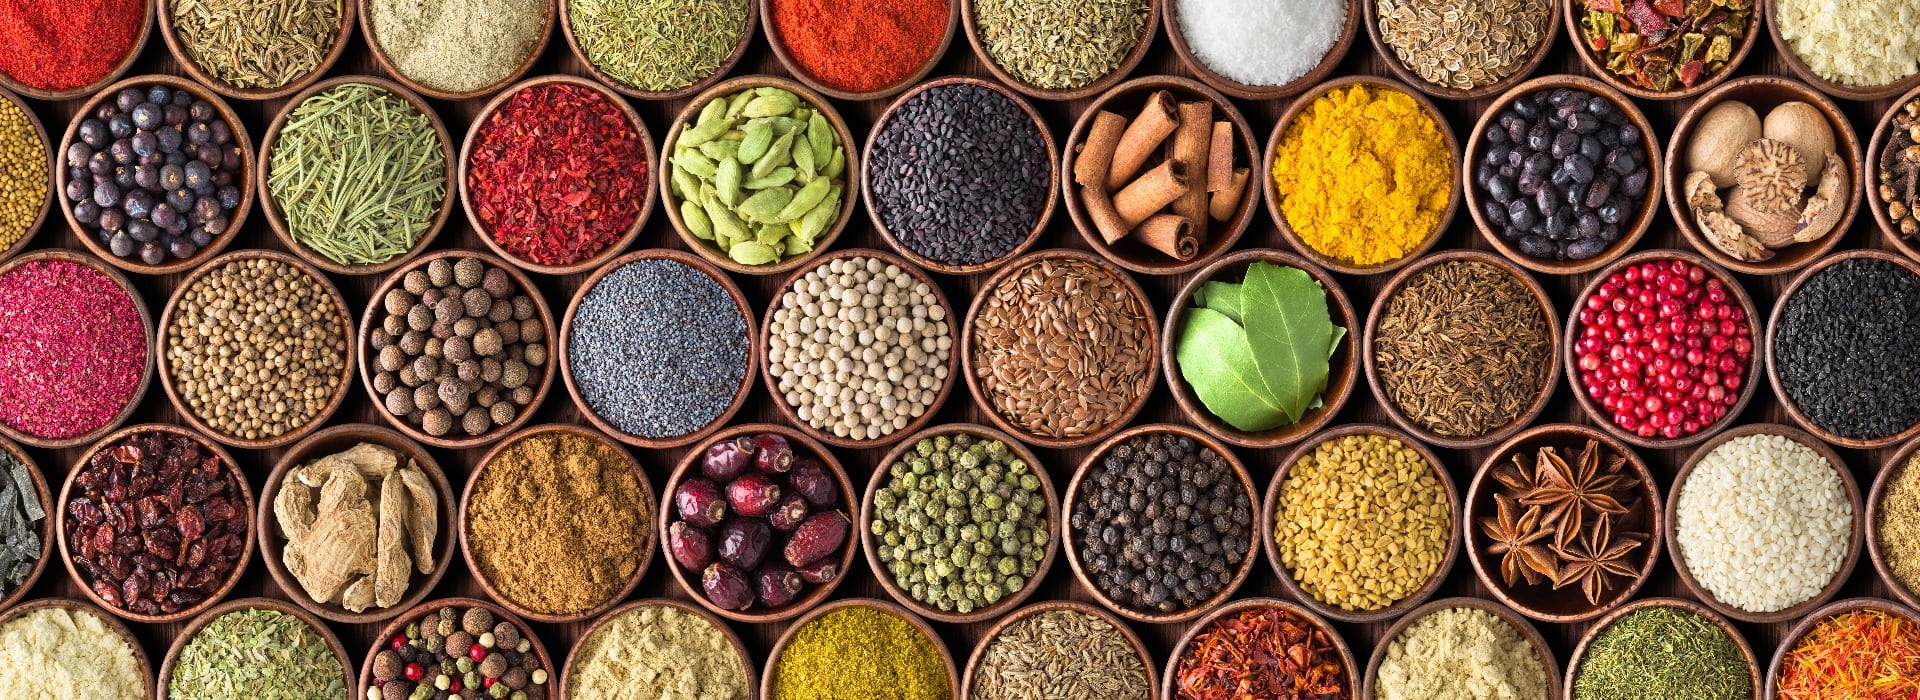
[(476, 422), (478, 621), (398, 301), (497, 283), (468, 271), (477, 302), (458, 643), (487, 343), (437, 422), (416, 282)]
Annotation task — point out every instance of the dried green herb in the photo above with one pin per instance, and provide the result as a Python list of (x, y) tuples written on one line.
[(358, 173), (1257, 353), (19, 534), (259, 653), (1662, 652), (657, 45), (257, 44)]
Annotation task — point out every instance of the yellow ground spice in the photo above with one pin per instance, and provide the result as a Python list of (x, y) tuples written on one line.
[(1363, 175), (859, 653), (23, 173)]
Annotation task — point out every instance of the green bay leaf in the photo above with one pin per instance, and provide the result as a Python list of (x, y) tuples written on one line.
[(1290, 334), (1223, 297), (1216, 360)]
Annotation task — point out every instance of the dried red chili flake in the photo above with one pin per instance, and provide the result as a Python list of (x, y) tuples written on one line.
[(72, 349), (1268, 653), (557, 174)]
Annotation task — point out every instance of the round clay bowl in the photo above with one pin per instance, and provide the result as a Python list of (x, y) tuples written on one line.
[(126, 62), (44, 497), (1127, 100), (984, 401), (398, 627), (848, 194), (113, 625), (46, 205), (276, 219), (466, 539), (1573, 10), (754, 350), (1592, 409), (993, 634), (733, 58), (1594, 630), (1801, 419), (1170, 680), (248, 166), (1549, 34), (1247, 91), (1875, 500), (1520, 624), (1269, 520), (1379, 312), (272, 541), (1805, 626), (200, 74), (1763, 93), (345, 379), (870, 543), (1202, 440), (787, 60), (771, 374), (733, 638), (146, 323), (893, 240), (939, 647), (1274, 204), (455, 439), (1629, 235), (1341, 373), (1567, 605), (1870, 173), (1671, 524), (193, 628), (387, 66), (605, 254), (246, 504), (1839, 91), (1097, 86), (689, 467)]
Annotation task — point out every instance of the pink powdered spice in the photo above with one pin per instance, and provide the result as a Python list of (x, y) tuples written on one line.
[(72, 349)]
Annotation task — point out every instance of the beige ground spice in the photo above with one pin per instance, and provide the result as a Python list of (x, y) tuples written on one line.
[(1461, 654), (558, 522), (654, 652), (1899, 524), (59, 653)]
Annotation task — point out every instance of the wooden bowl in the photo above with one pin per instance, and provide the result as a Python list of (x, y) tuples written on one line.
[(893, 241), (186, 412), (1801, 419), (276, 219), (689, 468), (1539, 602), (993, 634), (45, 496), (246, 504), (113, 625), (1126, 100), (1806, 74), (771, 374), (984, 401), (1274, 204), (238, 216), (193, 628), (605, 254), (387, 66), (565, 676), (1270, 519), (753, 351), (466, 541), (739, 49), (870, 543), (46, 204), (1889, 470), (126, 62), (1170, 681), (454, 440), (1549, 34), (1573, 327), (1096, 87), (1762, 91), (1247, 91), (273, 542), (1870, 178), (1598, 67), (1073, 553), (1593, 632), (1806, 626), (398, 627), (1551, 665), (194, 70), (1379, 312), (939, 647), (849, 194), (1342, 369), (793, 67), (146, 324), (1671, 524), (1649, 206)]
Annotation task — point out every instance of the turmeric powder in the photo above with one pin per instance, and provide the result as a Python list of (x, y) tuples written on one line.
[(1363, 175)]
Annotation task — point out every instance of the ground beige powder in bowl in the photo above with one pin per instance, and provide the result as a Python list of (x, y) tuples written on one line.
[(1461, 654), (60, 653), (658, 651)]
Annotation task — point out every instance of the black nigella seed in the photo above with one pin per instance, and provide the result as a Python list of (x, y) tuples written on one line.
[(1847, 349), (960, 174)]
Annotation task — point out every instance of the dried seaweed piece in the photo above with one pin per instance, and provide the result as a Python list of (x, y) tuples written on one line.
[(340, 544), (29, 496), (423, 515), (390, 552)]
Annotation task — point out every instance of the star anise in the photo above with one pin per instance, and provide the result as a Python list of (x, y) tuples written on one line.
[(1567, 493), (1596, 560), (1517, 540)]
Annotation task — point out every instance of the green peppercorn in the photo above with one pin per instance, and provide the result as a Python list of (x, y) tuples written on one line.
[(955, 519)]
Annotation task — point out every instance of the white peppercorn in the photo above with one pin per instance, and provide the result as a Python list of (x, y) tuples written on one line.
[(859, 347)]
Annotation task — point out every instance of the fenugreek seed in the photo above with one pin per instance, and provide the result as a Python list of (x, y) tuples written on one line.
[(1331, 537)]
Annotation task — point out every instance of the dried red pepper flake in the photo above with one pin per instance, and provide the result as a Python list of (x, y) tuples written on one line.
[(1268, 653), (72, 349), (558, 173)]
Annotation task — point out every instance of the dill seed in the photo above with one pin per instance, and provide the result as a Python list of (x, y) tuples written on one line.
[(257, 44), (1061, 654), (1463, 348)]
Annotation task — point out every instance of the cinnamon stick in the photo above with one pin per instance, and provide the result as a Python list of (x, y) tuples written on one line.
[(1220, 157), (1151, 193), (1190, 147), (1096, 151), (1142, 138), (1170, 234), (1227, 201), (1105, 218)]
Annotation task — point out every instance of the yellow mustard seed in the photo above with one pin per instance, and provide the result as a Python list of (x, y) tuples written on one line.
[(23, 173)]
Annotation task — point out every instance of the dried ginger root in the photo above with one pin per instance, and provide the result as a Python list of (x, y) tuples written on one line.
[(392, 563), (340, 544), (423, 517)]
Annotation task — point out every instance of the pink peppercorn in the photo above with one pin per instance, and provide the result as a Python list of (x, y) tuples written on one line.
[(72, 349), (1663, 349)]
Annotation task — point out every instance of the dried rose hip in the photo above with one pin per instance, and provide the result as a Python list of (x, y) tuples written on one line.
[(157, 523), (753, 495), (700, 502), (792, 511), (772, 454), (817, 538), (690, 546), (726, 586), (823, 571), (744, 542), (778, 586), (809, 478), (726, 461)]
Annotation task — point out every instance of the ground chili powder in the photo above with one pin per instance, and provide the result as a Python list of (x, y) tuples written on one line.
[(861, 46), (558, 173), (66, 44), (72, 349)]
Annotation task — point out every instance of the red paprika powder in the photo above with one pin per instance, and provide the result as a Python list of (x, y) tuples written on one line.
[(557, 174), (863, 45), (66, 44)]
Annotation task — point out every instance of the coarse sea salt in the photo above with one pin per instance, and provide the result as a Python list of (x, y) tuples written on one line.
[(1261, 42), (1763, 522)]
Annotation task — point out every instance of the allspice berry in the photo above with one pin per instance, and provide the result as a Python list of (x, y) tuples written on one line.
[(451, 364), (476, 622)]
